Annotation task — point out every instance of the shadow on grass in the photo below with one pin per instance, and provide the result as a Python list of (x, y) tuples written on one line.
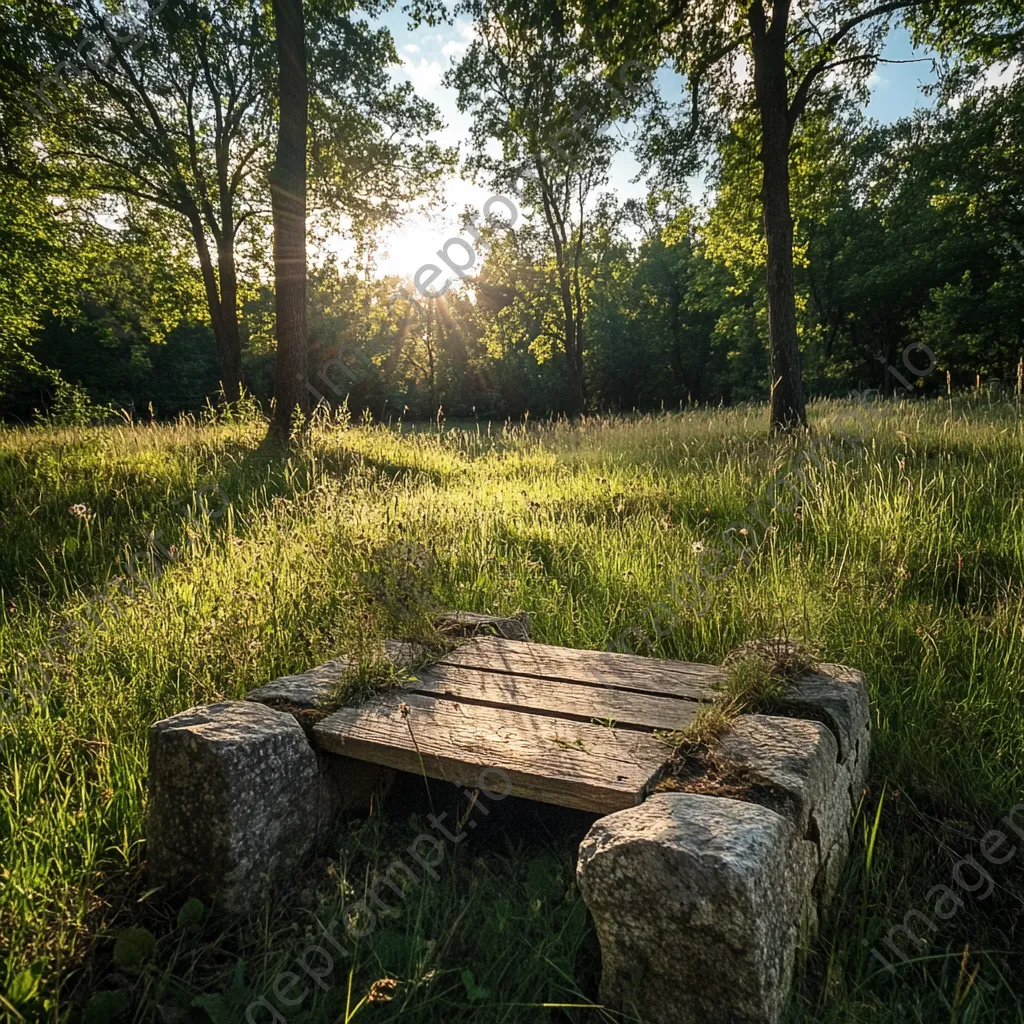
[(47, 553)]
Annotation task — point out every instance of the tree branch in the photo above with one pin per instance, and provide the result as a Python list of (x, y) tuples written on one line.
[(800, 97)]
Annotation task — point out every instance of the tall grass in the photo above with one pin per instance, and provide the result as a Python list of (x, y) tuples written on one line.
[(904, 557)]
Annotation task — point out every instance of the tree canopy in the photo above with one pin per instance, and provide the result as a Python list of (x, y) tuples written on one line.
[(902, 238)]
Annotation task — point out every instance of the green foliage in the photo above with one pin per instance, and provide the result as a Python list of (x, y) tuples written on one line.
[(134, 946), (474, 993), (191, 913), (105, 1006), (904, 235)]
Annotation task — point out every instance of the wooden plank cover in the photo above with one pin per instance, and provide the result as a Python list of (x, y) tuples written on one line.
[(573, 764), (553, 697), (593, 668)]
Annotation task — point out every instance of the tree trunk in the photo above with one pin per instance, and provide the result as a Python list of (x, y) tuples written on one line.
[(231, 367), (571, 328), (226, 270), (223, 316), (787, 410), (573, 353), (288, 201)]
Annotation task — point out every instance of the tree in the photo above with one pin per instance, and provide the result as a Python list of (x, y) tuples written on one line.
[(764, 55), (288, 199), (523, 79), (175, 107)]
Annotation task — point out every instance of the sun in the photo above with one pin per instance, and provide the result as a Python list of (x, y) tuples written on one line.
[(413, 244)]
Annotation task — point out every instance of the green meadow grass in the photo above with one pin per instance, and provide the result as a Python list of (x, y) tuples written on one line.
[(203, 564)]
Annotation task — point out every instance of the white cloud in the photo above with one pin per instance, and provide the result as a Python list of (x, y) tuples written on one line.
[(1001, 75), (995, 77), (411, 48), (424, 74), (465, 33)]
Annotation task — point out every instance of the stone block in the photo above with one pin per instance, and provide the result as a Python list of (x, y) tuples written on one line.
[(699, 902), (233, 801), (835, 695), (830, 869), (861, 755), (792, 761), (319, 685), (468, 624), (305, 689)]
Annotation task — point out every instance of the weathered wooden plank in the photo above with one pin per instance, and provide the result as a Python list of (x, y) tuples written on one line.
[(553, 697), (572, 764), (594, 668)]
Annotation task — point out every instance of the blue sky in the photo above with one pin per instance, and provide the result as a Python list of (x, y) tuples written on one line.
[(426, 54), (896, 88)]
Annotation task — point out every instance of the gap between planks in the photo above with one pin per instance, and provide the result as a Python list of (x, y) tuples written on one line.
[(608, 669), (628, 709)]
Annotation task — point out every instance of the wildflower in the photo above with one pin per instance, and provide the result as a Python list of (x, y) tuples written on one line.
[(744, 532), (697, 547), (80, 511), (382, 991)]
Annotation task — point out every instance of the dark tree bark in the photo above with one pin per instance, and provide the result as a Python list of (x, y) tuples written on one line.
[(787, 409), (231, 366), (230, 345), (573, 349), (288, 201), (222, 302), (571, 325), (779, 116)]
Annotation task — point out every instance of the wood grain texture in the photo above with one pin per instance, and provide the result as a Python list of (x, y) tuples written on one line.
[(571, 764), (552, 697), (681, 679)]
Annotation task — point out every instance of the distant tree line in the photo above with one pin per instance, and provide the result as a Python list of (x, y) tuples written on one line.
[(135, 228)]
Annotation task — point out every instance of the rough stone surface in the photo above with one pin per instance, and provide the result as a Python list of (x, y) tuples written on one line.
[(476, 624), (860, 766), (233, 800), (830, 870), (699, 898), (315, 687), (698, 903), (835, 695), (793, 758), (819, 763), (305, 690)]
